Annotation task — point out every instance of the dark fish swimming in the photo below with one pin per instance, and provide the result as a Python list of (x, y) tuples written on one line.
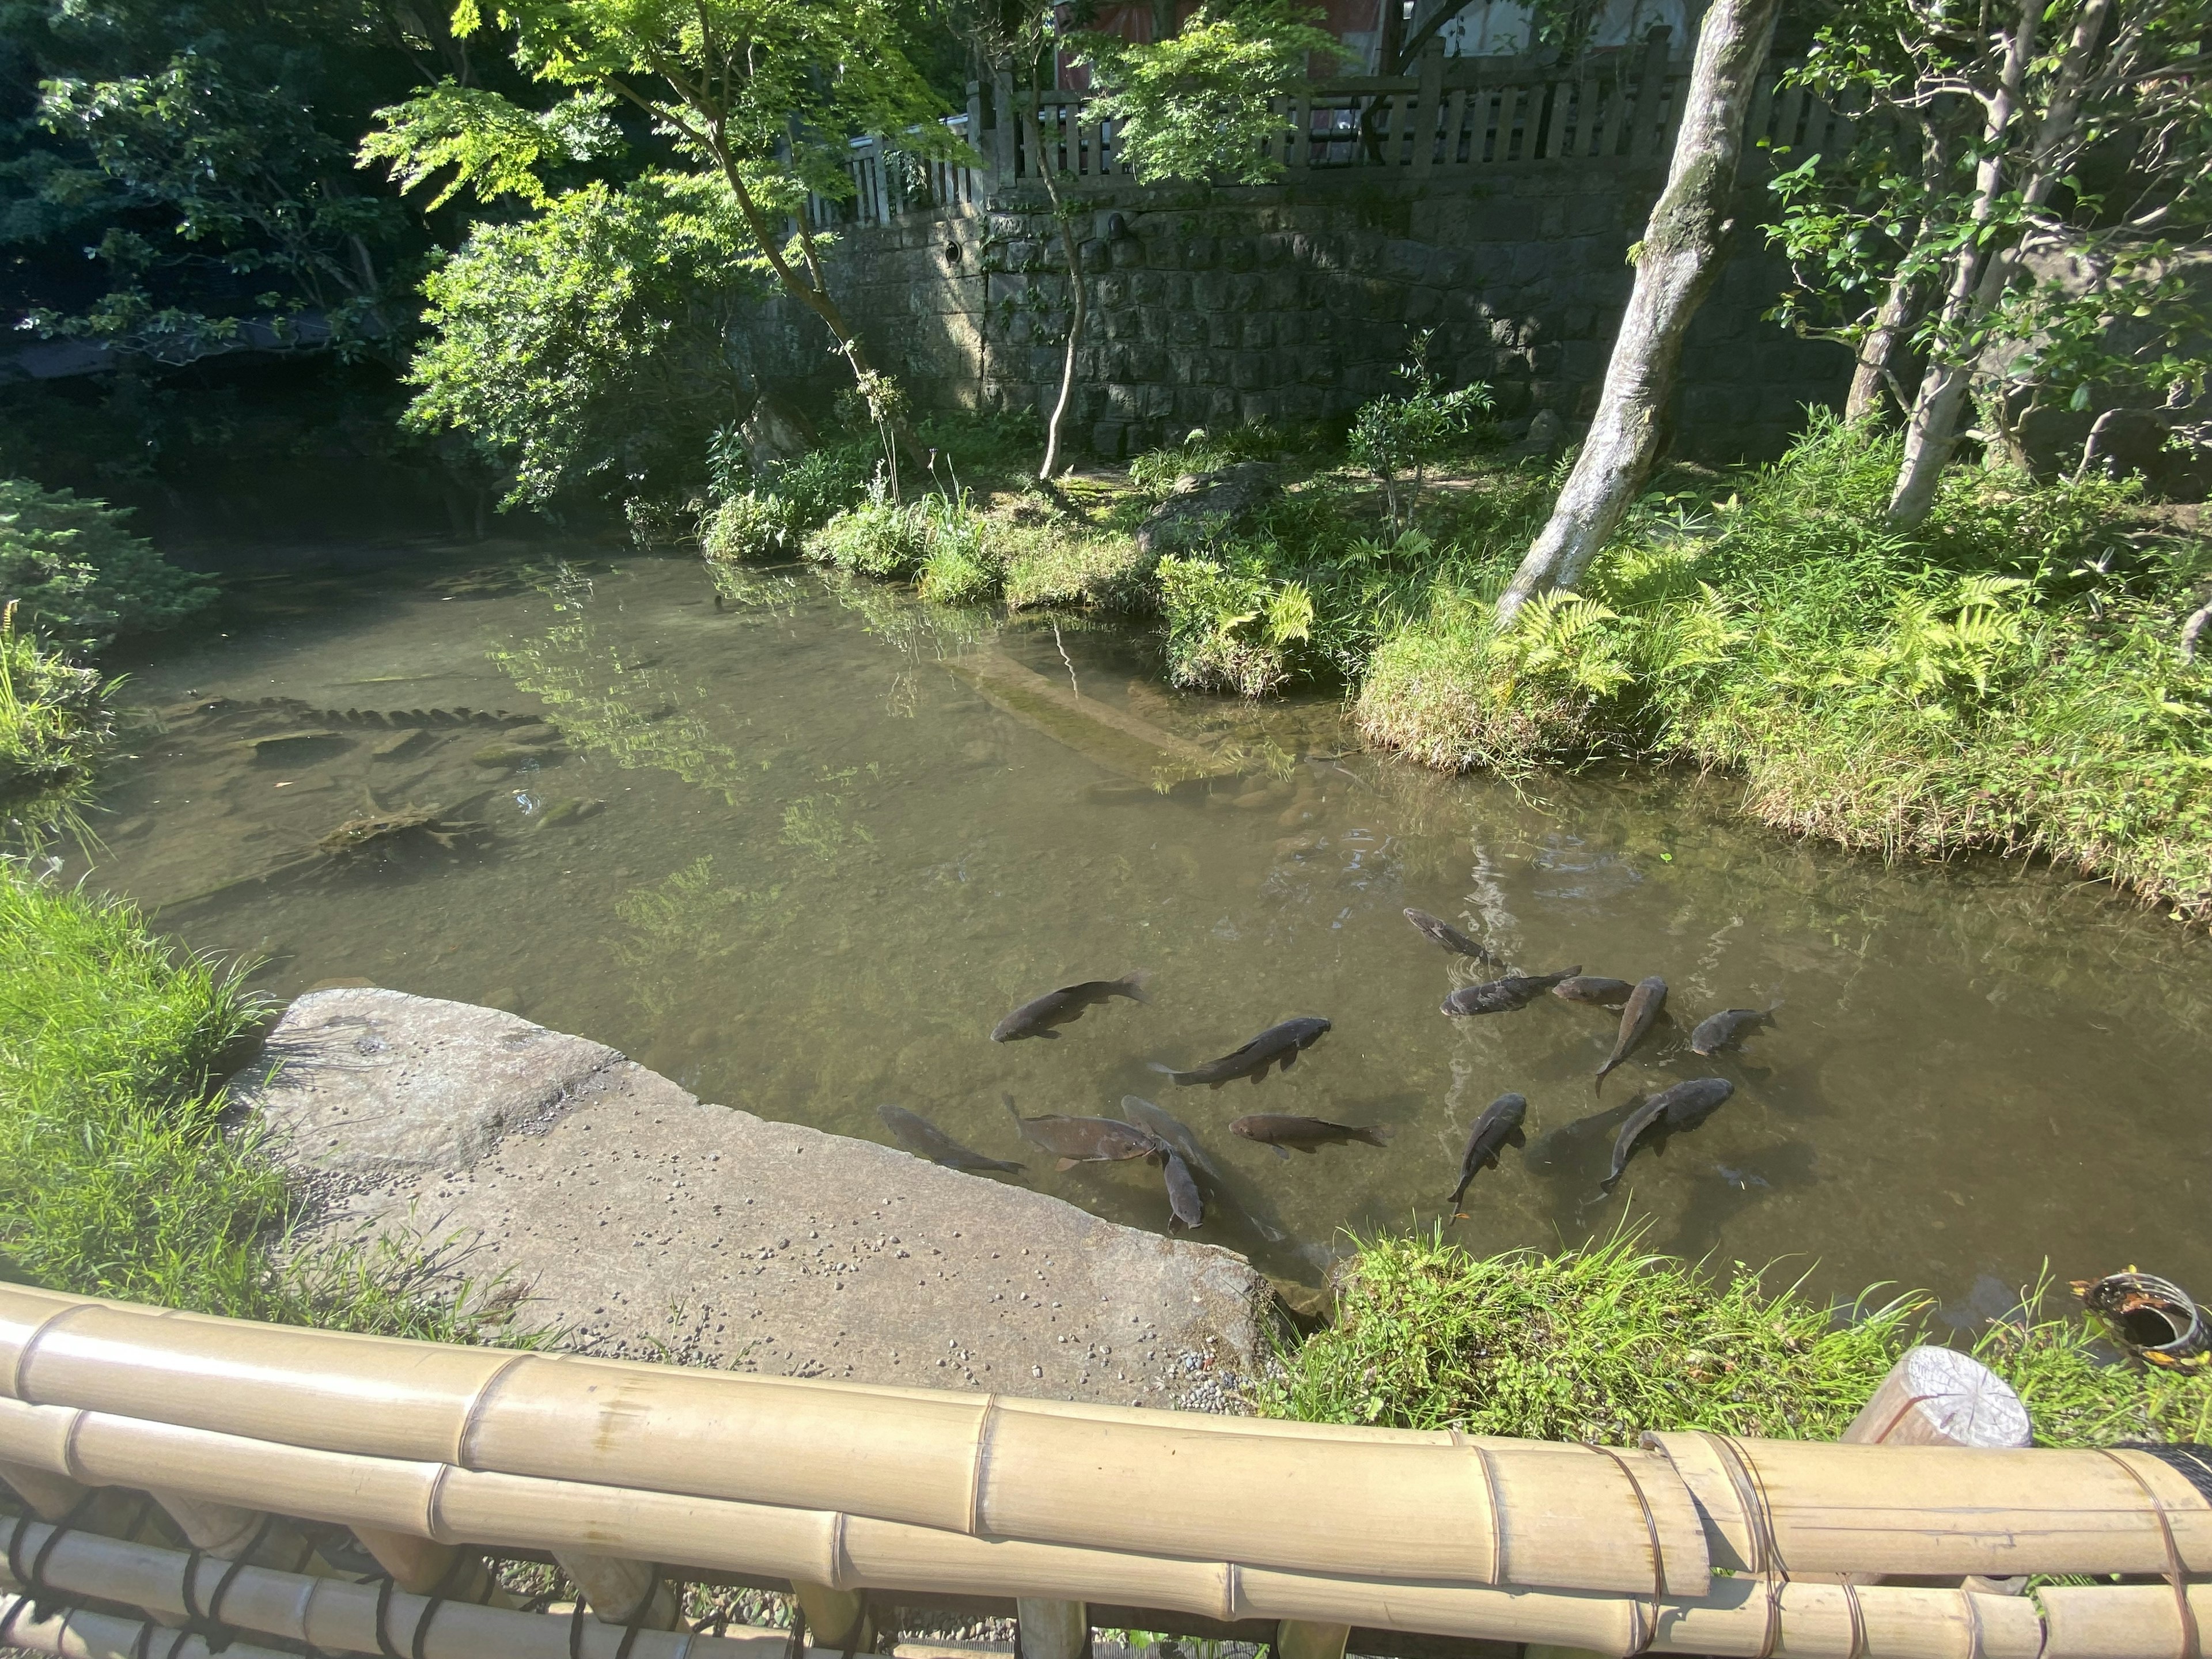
[(1278, 1042), (1643, 1006), (1282, 1132), (1075, 1140), (1717, 1031), (1036, 1017), (924, 1139), (1685, 1106), (1184, 1204), (1450, 937), (1172, 1130), (1499, 1127), (1497, 996), (1596, 991)]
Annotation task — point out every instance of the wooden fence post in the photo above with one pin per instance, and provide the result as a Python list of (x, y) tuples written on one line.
[(1005, 129), (1650, 98), (621, 1591), (1053, 1629), (423, 1566), (1424, 124)]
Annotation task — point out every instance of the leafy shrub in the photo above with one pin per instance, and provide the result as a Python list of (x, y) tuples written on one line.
[(75, 575), (878, 537), (52, 715), (756, 525), (1393, 437), (1156, 471), (1230, 626)]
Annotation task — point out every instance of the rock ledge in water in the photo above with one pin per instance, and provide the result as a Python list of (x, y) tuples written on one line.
[(650, 1225)]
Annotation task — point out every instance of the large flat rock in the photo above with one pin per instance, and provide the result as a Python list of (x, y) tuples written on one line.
[(645, 1223)]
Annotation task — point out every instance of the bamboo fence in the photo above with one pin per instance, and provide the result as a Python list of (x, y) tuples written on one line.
[(1694, 1543)]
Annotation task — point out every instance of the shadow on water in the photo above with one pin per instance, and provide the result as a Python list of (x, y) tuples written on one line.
[(798, 842)]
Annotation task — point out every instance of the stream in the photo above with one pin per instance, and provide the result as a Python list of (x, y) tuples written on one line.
[(800, 843)]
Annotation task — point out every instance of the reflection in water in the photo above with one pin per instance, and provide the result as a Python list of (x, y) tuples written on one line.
[(802, 848)]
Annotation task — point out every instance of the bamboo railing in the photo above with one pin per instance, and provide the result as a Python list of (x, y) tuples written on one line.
[(1454, 118), (624, 1471)]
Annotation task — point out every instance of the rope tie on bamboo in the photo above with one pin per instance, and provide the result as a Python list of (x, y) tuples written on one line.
[(1858, 1626), (2177, 1574), (638, 1613), (1766, 1562), (457, 1570), (209, 1620), (1647, 1631)]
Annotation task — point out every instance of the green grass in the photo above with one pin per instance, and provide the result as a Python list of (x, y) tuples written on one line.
[(119, 1175), (1602, 1343), (54, 715)]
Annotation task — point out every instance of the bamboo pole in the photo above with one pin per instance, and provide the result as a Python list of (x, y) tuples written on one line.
[(1172, 1483), (1744, 1616), (336, 1612), (78, 1633), (1053, 1629)]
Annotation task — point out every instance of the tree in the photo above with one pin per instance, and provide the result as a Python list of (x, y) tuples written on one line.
[(590, 343), (762, 93), (1676, 265), (2063, 149)]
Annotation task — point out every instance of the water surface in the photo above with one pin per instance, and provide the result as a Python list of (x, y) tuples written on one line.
[(799, 850)]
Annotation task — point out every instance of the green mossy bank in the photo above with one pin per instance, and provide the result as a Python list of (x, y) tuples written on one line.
[(120, 1174), (1602, 1343), (2007, 677)]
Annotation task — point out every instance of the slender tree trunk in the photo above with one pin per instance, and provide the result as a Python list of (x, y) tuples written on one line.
[(1678, 263), (1931, 432), (1873, 375), (1072, 250), (1980, 278)]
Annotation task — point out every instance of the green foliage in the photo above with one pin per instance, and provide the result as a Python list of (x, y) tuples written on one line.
[(585, 348), (1156, 471), (1398, 437), (1598, 1344), (2005, 676), (1199, 104), (756, 525), (120, 1178), (878, 537), (1230, 625), (489, 143), (73, 573), (53, 716), (1602, 1343)]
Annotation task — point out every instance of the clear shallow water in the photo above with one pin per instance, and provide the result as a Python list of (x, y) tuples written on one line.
[(844, 834)]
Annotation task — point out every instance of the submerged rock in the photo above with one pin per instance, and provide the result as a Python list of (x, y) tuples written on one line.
[(645, 1223)]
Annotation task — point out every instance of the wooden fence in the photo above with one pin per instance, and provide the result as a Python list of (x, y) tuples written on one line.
[(1456, 117), (187, 1482)]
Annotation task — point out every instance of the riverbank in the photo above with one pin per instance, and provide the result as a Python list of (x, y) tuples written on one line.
[(135, 1174), (2009, 678)]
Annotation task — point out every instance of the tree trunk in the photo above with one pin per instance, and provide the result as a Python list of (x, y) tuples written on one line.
[(1978, 277), (1677, 265), (1072, 250), (1875, 373)]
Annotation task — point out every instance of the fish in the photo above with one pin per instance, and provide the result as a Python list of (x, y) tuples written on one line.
[(1076, 1140), (1590, 988), (1036, 1017), (1278, 1042), (1184, 1204), (1499, 1127), (1497, 996), (1450, 936), (1644, 1004), (1280, 1130), (925, 1140), (1682, 1107), (1172, 1130), (1721, 1031)]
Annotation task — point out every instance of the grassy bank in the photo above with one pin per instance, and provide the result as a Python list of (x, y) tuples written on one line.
[(119, 1174), (2007, 677), (1602, 1343)]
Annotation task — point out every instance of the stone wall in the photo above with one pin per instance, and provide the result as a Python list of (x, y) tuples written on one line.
[(1296, 304)]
